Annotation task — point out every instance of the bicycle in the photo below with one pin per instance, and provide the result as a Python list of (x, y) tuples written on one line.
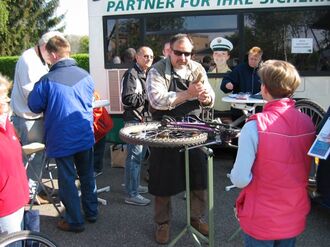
[(316, 113), (170, 132), (26, 238)]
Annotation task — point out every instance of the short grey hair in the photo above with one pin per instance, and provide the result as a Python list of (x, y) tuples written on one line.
[(47, 36)]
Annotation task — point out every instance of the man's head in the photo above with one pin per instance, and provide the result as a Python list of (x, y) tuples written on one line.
[(58, 47), (279, 78), (44, 40), (181, 50), (129, 55), (221, 48), (144, 57), (167, 49), (254, 57)]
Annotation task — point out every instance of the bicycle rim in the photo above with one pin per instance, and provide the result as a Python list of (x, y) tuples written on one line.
[(312, 109), (316, 113), (26, 238), (152, 134)]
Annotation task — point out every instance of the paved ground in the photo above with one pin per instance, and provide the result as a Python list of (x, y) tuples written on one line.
[(126, 225)]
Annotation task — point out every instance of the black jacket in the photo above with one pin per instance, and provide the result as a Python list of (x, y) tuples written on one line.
[(244, 78), (134, 97)]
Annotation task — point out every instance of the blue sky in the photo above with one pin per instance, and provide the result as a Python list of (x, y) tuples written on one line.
[(76, 17)]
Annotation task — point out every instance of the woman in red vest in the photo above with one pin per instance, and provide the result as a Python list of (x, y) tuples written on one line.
[(14, 189), (272, 165)]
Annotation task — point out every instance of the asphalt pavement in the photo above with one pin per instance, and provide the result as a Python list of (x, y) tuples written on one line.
[(122, 225)]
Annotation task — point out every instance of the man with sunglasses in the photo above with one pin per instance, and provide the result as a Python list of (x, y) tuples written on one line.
[(134, 99), (174, 89)]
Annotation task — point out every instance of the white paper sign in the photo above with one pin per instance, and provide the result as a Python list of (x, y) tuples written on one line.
[(321, 146), (302, 45)]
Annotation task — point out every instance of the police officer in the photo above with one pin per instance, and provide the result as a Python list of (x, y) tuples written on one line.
[(221, 48)]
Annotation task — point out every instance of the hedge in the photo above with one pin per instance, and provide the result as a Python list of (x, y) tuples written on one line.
[(7, 64)]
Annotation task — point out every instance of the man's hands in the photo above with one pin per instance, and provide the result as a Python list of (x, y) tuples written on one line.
[(229, 86), (204, 98), (197, 90)]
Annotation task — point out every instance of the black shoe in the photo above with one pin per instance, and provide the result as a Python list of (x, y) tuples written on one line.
[(65, 226), (91, 219)]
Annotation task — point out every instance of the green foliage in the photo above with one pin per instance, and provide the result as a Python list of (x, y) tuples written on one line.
[(82, 60), (7, 64), (84, 44), (27, 21), (3, 17)]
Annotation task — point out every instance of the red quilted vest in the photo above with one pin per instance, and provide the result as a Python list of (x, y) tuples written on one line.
[(275, 204)]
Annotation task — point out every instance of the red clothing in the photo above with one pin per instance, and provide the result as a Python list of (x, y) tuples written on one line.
[(102, 121), (14, 189), (275, 204)]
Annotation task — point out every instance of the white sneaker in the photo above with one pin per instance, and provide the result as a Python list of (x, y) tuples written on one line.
[(137, 200), (141, 189)]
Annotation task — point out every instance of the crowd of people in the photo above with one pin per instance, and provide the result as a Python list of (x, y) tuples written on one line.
[(52, 103)]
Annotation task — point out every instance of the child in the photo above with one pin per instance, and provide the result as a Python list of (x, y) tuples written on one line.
[(272, 165), (14, 189)]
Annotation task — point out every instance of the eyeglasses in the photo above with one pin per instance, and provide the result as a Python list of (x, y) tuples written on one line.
[(148, 56), (180, 53)]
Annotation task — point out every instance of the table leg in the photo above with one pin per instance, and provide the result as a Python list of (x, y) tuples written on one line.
[(197, 235)]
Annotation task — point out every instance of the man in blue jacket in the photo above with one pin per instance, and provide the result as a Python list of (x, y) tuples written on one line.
[(65, 96), (244, 78)]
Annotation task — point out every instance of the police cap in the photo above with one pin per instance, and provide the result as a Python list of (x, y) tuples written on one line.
[(221, 44)]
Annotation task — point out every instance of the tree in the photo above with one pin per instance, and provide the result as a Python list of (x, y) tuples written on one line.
[(84, 45), (3, 17), (27, 21)]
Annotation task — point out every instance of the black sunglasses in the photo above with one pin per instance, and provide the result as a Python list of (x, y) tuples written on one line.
[(180, 53)]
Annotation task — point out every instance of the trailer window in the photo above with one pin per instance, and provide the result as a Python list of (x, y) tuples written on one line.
[(311, 27)]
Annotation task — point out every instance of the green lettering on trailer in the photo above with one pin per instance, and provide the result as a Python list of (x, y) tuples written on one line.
[(170, 4), (111, 4), (224, 2), (150, 4), (160, 4), (140, 4), (195, 3), (130, 5), (120, 6)]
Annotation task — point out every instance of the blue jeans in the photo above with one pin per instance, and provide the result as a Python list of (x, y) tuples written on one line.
[(30, 131), (80, 163), (99, 148), (12, 222), (252, 242), (135, 154)]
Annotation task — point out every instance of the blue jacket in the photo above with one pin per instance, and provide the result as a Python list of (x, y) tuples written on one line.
[(65, 96), (244, 78)]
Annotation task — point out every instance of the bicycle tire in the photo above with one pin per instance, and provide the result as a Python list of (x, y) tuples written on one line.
[(27, 238), (316, 113), (152, 134), (312, 109)]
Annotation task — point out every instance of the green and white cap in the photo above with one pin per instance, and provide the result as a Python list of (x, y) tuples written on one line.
[(221, 44)]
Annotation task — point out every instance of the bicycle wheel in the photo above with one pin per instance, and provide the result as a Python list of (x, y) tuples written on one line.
[(154, 135), (26, 238), (312, 109), (316, 113)]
